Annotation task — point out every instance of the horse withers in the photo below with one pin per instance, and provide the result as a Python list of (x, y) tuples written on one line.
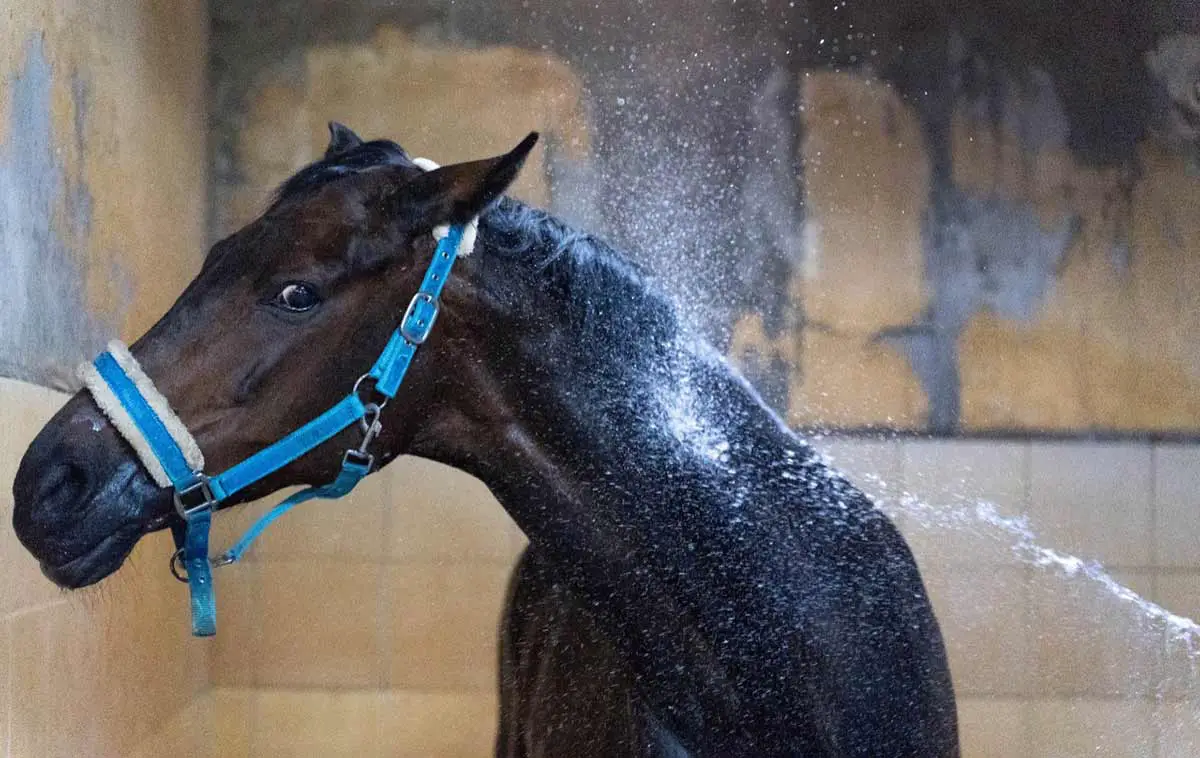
[(697, 581)]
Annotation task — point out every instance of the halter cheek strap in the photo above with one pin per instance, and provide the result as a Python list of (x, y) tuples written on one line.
[(173, 459)]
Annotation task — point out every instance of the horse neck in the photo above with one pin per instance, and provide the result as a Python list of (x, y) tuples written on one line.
[(612, 425)]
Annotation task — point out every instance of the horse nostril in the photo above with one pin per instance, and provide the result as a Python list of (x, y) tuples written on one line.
[(48, 499)]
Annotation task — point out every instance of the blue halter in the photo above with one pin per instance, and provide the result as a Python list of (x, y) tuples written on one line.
[(197, 495)]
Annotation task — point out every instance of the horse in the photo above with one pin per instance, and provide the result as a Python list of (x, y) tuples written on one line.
[(698, 581)]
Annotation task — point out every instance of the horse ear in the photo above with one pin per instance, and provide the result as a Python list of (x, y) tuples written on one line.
[(457, 193), (341, 139)]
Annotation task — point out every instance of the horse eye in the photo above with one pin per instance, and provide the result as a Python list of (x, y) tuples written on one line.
[(296, 298)]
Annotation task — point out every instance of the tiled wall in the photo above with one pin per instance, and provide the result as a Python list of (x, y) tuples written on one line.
[(1047, 663), (102, 166), (368, 627), (95, 673)]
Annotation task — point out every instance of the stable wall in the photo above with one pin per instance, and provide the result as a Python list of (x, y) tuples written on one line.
[(400, 587), (1082, 300), (368, 626), (102, 175)]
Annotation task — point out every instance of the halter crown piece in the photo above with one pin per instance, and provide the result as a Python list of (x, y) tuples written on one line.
[(173, 458)]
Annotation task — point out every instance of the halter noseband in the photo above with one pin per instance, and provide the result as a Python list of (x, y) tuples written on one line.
[(170, 454)]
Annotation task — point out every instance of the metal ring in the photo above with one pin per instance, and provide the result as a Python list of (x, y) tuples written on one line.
[(178, 570), (358, 383)]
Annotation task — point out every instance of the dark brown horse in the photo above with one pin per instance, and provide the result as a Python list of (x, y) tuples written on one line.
[(698, 582)]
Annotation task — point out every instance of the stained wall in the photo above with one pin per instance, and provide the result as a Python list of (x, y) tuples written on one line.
[(102, 175)]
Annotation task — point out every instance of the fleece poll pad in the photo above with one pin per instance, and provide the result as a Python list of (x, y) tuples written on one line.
[(470, 231)]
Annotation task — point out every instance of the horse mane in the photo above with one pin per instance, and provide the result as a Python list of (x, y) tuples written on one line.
[(319, 173), (599, 285), (602, 289)]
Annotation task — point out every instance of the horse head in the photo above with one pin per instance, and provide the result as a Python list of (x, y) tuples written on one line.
[(282, 318)]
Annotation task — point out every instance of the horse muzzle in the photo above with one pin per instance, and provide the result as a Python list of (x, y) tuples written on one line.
[(81, 500)]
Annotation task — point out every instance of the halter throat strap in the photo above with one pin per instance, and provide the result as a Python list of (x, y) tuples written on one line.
[(142, 414)]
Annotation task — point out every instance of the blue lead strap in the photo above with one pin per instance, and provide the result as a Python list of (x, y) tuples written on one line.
[(199, 573), (192, 541), (347, 479)]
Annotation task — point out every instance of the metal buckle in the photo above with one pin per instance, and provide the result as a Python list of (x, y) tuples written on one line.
[(186, 505), (423, 308), (359, 457), (370, 424)]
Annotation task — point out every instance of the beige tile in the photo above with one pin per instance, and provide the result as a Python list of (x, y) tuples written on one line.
[(1090, 640), (444, 622), (237, 647), (5, 681), (233, 721), (352, 526), (187, 734), (1093, 500), (993, 727), (117, 658), (1092, 728), (152, 657), (1178, 727), (62, 705), (231, 523), (1179, 593), (319, 624), (983, 613), (419, 724), (872, 464), (957, 486), (440, 514), (316, 723), (952, 470), (1177, 506)]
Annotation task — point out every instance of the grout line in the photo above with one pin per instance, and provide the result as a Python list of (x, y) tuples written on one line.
[(12, 615), (384, 633), (1155, 558), (11, 660), (1156, 746)]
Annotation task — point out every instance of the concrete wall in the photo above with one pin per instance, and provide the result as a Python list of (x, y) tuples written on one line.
[(396, 652), (102, 176), (1066, 328), (101, 162), (1055, 294), (102, 672), (394, 86)]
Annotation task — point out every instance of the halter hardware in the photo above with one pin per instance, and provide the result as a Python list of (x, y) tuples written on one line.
[(194, 497), (170, 453)]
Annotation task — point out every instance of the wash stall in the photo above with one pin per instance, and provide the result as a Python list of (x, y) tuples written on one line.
[(959, 259)]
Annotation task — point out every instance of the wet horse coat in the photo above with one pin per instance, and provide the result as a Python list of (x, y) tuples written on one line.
[(698, 581)]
